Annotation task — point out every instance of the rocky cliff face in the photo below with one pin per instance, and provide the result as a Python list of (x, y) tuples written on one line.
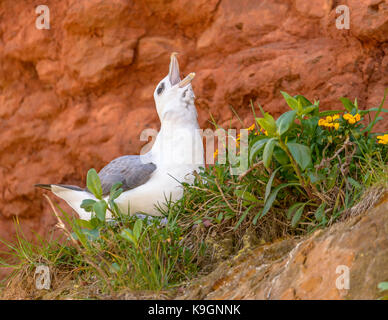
[(347, 261), (79, 94)]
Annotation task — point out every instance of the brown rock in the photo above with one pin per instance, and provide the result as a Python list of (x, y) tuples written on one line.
[(369, 19), (314, 9)]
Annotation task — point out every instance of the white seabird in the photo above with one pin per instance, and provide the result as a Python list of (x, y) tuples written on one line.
[(148, 180)]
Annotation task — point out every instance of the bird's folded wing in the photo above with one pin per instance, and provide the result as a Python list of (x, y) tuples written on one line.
[(129, 170)]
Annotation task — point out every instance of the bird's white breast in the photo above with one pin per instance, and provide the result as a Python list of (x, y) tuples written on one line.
[(177, 152)]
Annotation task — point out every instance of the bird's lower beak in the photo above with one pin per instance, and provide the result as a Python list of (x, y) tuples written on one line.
[(173, 73), (187, 80)]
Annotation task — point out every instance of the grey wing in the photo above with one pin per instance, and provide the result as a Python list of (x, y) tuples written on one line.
[(129, 170)]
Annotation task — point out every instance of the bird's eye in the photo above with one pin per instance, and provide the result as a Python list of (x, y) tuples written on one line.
[(160, 89)]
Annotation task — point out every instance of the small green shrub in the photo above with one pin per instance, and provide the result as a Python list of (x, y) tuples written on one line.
[(306, 169)]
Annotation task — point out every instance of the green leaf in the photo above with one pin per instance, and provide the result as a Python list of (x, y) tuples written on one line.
[(246, 195), (374, 109), (128, 235), (115, 191), (380, 107), (92, 235), (267, 123), (114, 267), (100, 209), (300, 153), (95, 222), (314, 178), (285, 121), (329, 113), (88, 204), (309, 110), (292, 102), (94, 184), (349, 106), (303, 101), (84, 224), (354, 183), (269, 184), (296, 218), (271, 199), (268, 150), (137, 228), (257, 146), (310, 125), (292, 209), (242, 218), (320, 212), (383, 286), (281, 156), (114, 207)]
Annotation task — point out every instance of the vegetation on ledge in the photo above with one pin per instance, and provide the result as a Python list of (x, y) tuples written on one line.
[(307, 169)]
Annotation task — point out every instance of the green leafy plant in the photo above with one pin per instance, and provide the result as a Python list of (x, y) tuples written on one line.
[(126, 252), (383, 287), (309, 149)]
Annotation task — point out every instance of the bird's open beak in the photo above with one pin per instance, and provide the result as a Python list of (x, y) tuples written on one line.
[(173, 73), (187, 80)]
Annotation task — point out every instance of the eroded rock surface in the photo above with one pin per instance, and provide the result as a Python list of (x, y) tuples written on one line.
[(78, 95), (313, 268)]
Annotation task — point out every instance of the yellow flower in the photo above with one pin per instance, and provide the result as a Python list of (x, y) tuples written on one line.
[(352, 119), (215, 154), (383, 139), (238, 137), (251, 127), (329, 122), (264, 131)]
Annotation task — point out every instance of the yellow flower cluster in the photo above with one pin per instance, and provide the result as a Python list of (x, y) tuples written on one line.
[(329, 122), (261, 131), (383, 139), (352, 119), (251, 128)]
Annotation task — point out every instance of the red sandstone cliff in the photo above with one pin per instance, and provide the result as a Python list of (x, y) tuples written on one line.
[(78, 95)]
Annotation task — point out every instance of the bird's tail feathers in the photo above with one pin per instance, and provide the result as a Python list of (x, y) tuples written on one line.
[(49, 186), (43, 186)]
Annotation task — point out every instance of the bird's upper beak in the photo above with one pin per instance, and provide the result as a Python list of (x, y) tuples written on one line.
[(173, 73)]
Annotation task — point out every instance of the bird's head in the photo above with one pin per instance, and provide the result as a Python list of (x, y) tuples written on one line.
[(174, 98)]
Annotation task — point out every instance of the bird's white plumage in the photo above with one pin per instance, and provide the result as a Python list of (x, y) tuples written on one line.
[(177, 152)]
